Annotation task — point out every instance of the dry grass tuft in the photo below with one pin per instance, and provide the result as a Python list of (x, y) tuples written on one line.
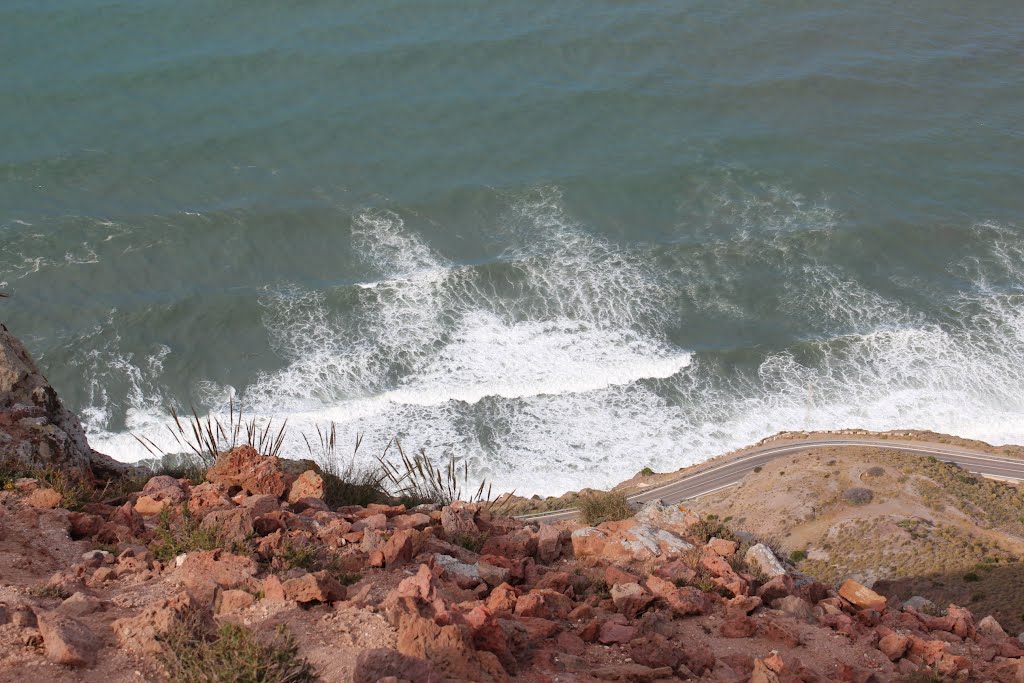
[(600, 507)]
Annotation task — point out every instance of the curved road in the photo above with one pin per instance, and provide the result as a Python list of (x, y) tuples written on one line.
[(731, 471)]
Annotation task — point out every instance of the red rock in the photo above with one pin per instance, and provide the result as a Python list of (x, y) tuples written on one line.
[(231, 526), (388, 511), (163, 487), (614, 632), (556, 581), (763, 673), (141, 632), (416, 520), (126, 516), (43, 499), (723, 574), (742, 604), (502, 599), (260, 504), (774, 630), (614, 575), (66, 640), (570, 642), (273, 589), (309, 484), (234, 600), (962, 622), (737, 626), (893, 646), (655, 651), (861, 596), (722, 547), (84, 525), (630, 672), (207, 497), (148, 506), (776, 588), (224, 569), (316, 587), (399, 549), (591, 631), (448, 649), (630, 599), (516, 545), (490, 636), (493, 575), (543, 603), (538, 629), (549, 543), (372, 522), (309, 505), (246, 468), (677, 571), (929, 651), (683, 602), (375, 665)]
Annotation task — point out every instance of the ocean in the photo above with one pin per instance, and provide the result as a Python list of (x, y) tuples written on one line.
[(559, 241)]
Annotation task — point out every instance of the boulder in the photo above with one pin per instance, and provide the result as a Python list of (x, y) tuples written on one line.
[(722, 547), (861, 596), (235, 600), (675, 518), (549, 543), (449, 650), (44, 499), (66, 640), (630, 599), (316, 587), (231, 526), (627, 541), (309, 484), (247, 469), (991, 628), (399, 549), (147, 506), (761, 557), (683, 602), (893, 646), (36, 429), (142, 632)]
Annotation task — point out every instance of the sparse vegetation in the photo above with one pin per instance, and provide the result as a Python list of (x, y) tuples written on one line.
[(234, 654), (797, 556), (345, 483), (646, 472), (178, 531), (600, 507), (858, 495), (471, 542)]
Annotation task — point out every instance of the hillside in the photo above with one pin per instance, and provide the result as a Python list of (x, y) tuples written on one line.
[(916, 526)]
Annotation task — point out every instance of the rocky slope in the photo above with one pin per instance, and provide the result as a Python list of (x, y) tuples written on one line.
[(905, 524), (434, 593)]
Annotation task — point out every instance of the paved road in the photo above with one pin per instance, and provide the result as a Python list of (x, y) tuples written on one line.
[(729, 472)]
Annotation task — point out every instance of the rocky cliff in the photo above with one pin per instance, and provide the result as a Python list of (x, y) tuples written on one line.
[(36, 430)]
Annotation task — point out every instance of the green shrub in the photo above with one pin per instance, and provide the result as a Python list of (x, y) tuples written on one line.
[(646, 472), (235, 654), (179, 531), (971, 576), (797, 556), (604, 507)]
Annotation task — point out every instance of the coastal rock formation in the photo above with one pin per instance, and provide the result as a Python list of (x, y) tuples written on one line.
[(442, 592), (36, 429)]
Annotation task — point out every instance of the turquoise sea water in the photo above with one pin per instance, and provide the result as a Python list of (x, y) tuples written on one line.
[(563, 240)]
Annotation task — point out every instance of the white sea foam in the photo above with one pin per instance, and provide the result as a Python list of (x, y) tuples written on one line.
[(564, 379)]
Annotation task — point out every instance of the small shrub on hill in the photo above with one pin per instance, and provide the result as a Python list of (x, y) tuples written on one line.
[(179, 531), (858, 495), (234, 654), (600, 507)]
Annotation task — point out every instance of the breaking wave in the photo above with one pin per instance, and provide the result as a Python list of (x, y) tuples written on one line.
[(568, 361)]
